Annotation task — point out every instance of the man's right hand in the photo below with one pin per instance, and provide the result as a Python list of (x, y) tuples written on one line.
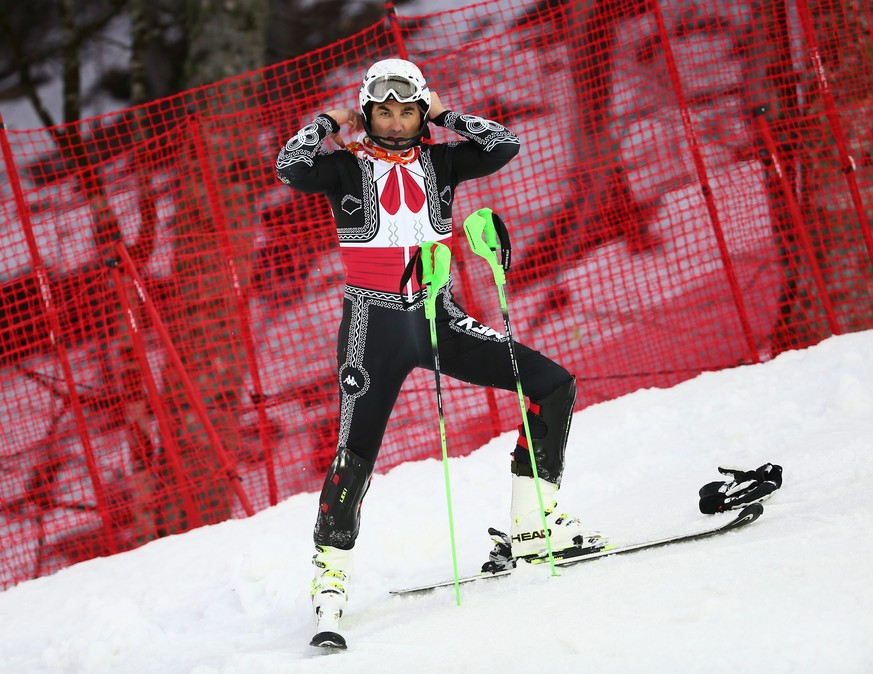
[(436, 105), (346, 117)]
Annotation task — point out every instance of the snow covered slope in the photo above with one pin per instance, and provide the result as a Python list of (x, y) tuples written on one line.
[(790, 593)]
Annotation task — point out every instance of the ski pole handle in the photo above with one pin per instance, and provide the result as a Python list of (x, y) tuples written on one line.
[(436, 260), (487, 234)]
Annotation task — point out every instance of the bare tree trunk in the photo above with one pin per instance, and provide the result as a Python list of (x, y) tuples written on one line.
[(70, 63), (771, 86), (226, 40)]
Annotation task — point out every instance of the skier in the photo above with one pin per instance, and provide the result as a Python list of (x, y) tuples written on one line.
[(389, 191)]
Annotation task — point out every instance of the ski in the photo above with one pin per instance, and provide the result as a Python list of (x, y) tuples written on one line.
[(746, 516)]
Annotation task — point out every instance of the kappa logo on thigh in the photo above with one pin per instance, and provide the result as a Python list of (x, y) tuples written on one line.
[(353, 380), (468, 324)]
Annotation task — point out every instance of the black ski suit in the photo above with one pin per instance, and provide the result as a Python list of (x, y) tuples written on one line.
[(383, 211)]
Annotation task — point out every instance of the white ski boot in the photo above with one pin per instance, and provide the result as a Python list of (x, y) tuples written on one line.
[(329, 594), (566, 535)]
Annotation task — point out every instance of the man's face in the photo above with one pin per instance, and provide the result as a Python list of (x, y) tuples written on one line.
[(395, 121)]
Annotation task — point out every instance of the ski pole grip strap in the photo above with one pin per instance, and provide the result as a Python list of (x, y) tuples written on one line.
[(414, 266), (505, 245)]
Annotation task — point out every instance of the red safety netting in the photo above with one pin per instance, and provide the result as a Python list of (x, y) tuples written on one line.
[(693, 193)]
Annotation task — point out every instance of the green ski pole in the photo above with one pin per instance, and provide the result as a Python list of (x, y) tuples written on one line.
[(435, 262), (485, 242)]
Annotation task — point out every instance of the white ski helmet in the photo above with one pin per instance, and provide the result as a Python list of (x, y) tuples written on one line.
[(401, 81)]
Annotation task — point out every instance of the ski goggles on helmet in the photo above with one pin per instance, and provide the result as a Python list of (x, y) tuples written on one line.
[(400, 88)]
